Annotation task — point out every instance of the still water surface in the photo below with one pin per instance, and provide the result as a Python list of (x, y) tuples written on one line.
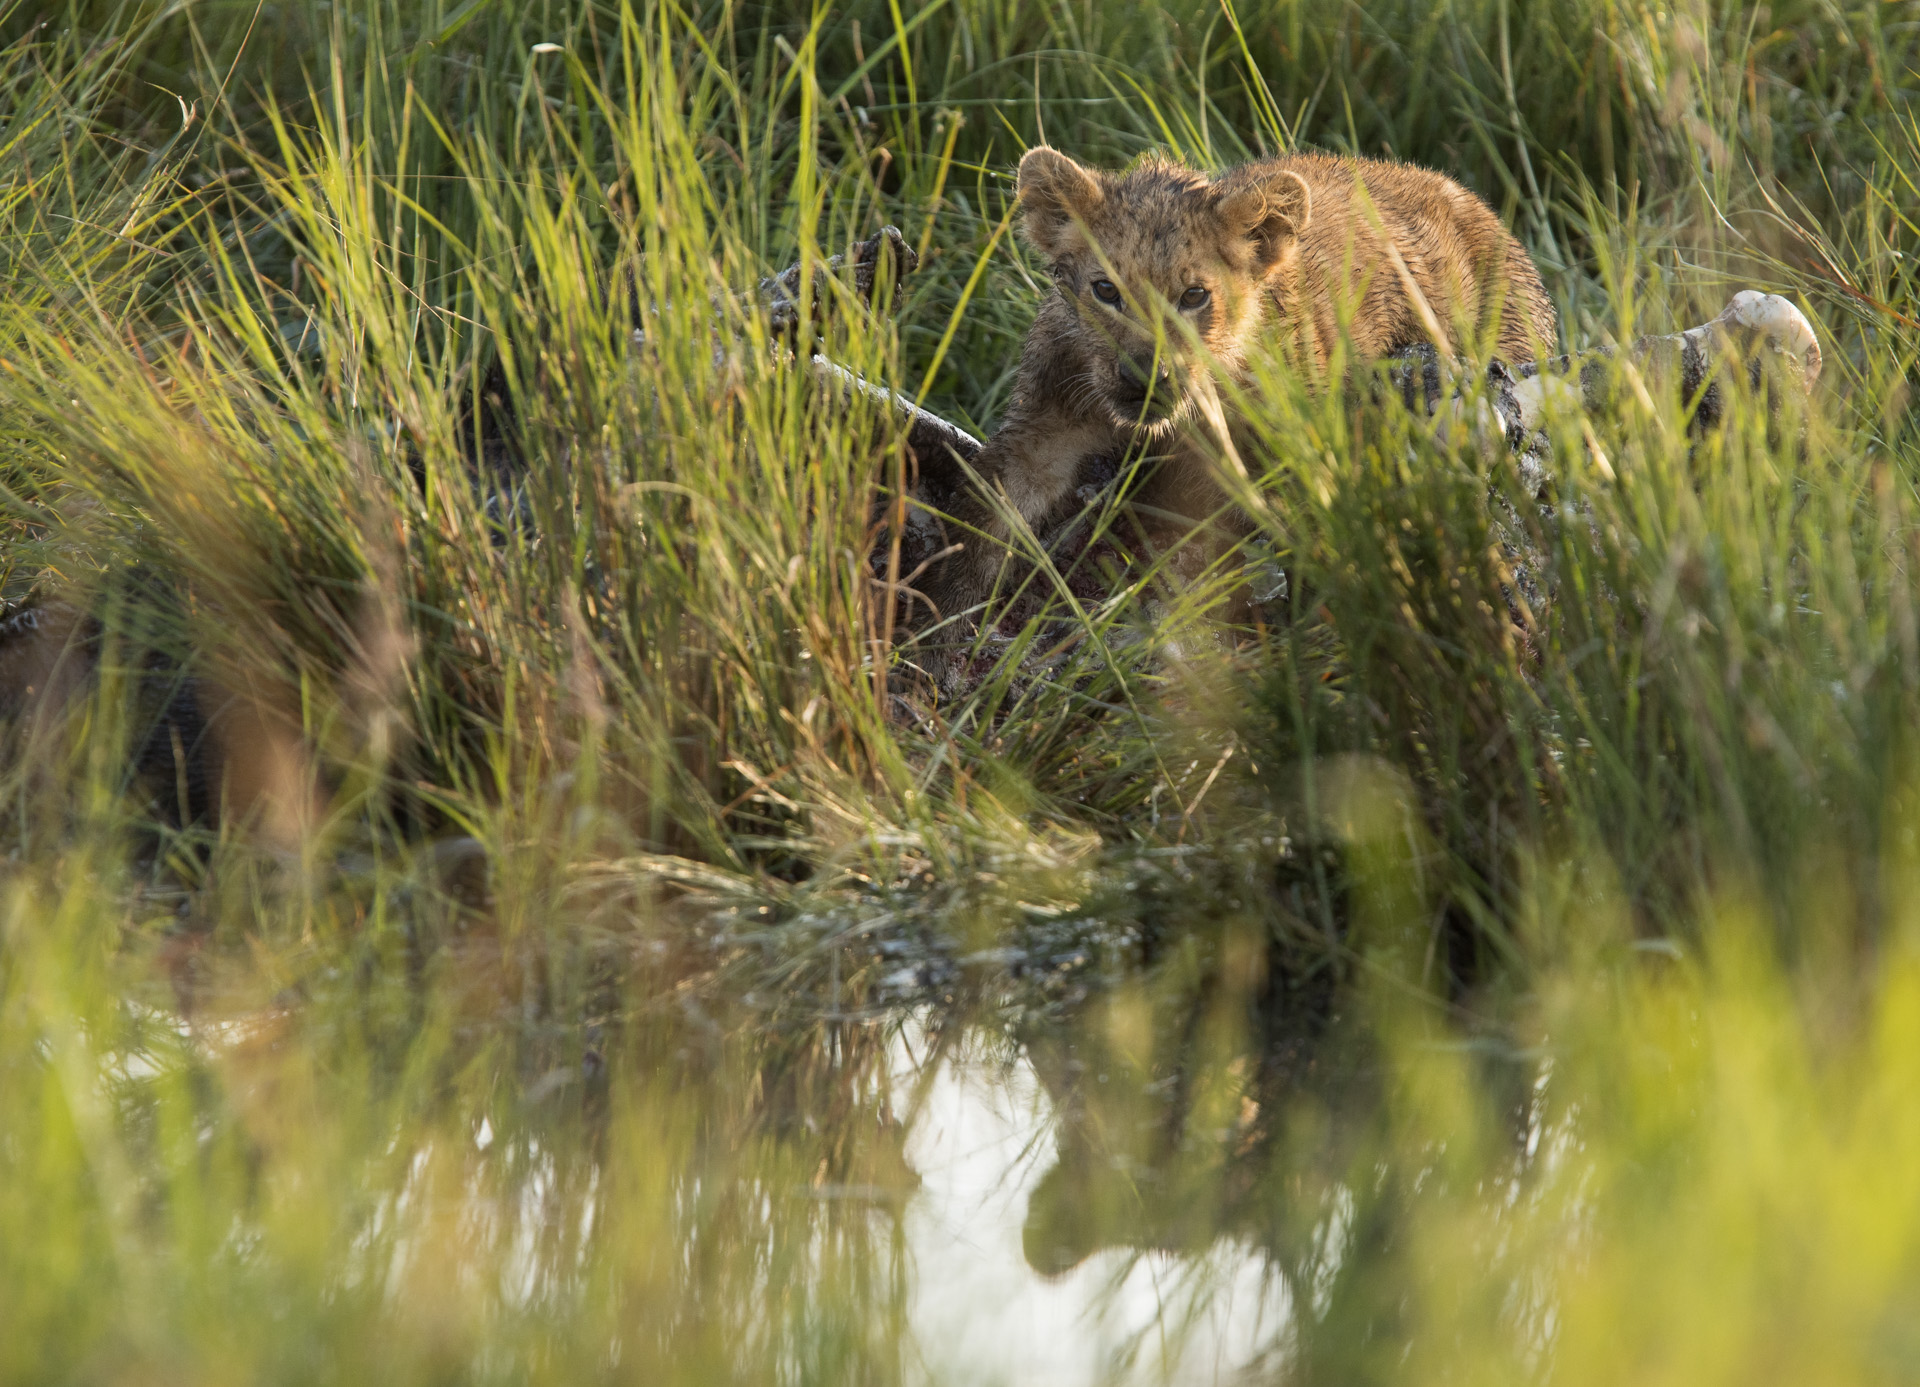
[(979, 1312)]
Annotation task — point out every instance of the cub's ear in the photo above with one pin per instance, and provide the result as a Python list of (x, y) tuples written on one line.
[(1264, 210), (1057, 197)]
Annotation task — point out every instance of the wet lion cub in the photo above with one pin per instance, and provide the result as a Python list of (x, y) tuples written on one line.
[(1163, 276)]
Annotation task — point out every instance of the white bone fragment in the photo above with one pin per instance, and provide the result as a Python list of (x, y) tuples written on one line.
[(1785, 326)]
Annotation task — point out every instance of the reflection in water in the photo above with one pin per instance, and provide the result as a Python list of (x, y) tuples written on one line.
[(1145, 1178), (984, 1308)]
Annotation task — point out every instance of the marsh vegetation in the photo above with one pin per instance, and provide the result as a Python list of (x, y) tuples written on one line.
[(592, 955)]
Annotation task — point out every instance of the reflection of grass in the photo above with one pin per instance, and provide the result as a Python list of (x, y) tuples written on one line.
[(1533, 987)]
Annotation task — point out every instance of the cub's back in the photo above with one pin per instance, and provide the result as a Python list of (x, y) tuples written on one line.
[(1467, 266)]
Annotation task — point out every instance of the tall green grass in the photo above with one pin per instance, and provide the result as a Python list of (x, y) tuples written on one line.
[(1525, 978)]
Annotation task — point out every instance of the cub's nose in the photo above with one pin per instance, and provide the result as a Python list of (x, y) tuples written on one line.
[(1138, 376)]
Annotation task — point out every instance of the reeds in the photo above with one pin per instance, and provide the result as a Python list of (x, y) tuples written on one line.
[(473, 837)]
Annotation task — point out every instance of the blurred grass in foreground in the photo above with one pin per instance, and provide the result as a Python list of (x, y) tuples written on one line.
[(549, 985)]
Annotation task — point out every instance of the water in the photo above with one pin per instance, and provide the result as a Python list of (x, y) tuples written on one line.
[(980, 1312)]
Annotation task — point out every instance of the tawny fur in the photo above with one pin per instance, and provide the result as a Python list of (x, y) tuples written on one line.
[(1290, 255)]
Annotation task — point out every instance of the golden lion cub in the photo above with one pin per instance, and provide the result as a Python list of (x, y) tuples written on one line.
[(1162, 275)]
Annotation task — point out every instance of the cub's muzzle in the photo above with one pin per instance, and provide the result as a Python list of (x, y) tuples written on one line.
[(1143, 384)]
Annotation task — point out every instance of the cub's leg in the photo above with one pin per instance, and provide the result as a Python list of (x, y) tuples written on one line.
[(1182, 510), (1029, 465)]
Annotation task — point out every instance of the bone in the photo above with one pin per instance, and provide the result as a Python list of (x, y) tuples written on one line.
[(781, 292), (1784, 327), (928, 434), (1752, 330)]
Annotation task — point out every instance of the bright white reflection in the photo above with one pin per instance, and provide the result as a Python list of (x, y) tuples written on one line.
[(981, 1314)]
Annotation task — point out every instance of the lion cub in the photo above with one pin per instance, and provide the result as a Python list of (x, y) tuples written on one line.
[(1162, 275)]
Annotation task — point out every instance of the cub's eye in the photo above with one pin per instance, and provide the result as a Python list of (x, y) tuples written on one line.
[(1105, 290), (1194, 298)]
